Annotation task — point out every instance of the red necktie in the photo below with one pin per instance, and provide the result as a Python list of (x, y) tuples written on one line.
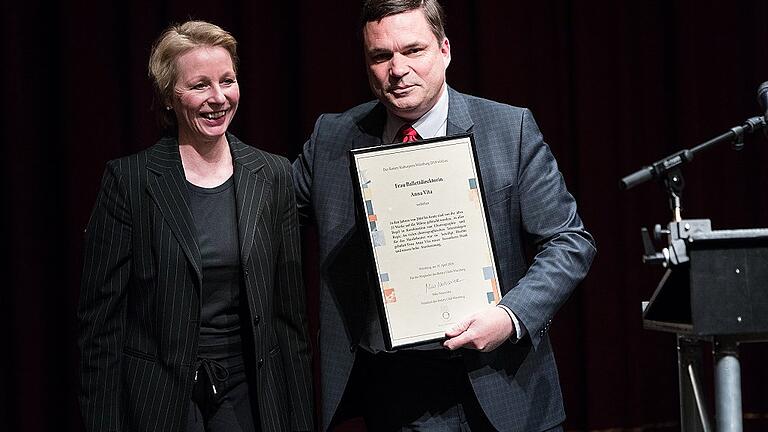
[(407, 134)]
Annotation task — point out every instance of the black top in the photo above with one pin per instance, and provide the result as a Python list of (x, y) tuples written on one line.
[(215, 218)]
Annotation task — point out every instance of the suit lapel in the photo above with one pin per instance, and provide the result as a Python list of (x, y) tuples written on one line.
[(169, 191), (459, 120), (346, 264), (368, 134), (371, 128), (251, 193)]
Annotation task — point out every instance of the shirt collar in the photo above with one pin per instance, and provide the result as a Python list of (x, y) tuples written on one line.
[(430, 125)]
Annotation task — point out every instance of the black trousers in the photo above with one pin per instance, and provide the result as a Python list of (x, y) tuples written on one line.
[(221, 401), (412, 390)]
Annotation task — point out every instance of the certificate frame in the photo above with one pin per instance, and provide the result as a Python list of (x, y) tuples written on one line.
[(409, 205)]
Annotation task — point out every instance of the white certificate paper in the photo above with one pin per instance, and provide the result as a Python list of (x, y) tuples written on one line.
[(429, 235)]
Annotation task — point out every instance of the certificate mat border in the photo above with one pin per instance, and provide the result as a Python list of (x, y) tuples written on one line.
[(361, 217)]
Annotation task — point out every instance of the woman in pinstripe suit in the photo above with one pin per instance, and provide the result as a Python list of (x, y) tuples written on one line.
[(192, 310)]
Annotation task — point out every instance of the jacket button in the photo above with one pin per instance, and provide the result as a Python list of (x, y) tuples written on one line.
[(260, 363), (256, 319), (352, 348)]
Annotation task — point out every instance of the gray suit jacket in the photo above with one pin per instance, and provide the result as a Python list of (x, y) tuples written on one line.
[(140, 297), (516, 384)]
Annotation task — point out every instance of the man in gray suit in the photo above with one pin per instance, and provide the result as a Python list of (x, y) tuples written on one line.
[(495, 369)]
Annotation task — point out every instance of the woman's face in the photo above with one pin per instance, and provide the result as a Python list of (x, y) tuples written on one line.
[(205, 95)]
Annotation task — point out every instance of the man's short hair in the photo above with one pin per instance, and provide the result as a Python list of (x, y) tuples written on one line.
[(375, 10)]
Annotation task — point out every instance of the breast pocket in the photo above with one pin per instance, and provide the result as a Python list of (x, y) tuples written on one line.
[(498, 196), (138, 354)]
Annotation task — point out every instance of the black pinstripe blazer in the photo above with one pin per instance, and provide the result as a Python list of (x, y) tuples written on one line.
[(528, 205), (140, 296)]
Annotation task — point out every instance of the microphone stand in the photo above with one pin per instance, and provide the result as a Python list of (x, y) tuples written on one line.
[(725, 348)]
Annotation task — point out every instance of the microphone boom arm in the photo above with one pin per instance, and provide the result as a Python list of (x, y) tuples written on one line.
[(661, 167)]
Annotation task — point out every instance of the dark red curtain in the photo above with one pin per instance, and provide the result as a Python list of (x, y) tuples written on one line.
[(613, 86)]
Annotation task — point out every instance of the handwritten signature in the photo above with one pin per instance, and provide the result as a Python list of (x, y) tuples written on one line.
[(440, 284)]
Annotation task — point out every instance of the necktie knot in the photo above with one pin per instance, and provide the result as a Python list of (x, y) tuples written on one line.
[(407, 134)]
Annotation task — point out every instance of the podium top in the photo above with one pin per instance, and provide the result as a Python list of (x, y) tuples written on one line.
[(732, 234), (721, 288)]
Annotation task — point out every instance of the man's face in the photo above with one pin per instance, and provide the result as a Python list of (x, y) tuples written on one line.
[(406, 63)]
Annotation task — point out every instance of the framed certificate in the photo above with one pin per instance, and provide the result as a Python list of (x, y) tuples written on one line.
[(422, 205)]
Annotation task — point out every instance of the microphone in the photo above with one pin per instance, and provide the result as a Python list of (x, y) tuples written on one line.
[(762, 99)]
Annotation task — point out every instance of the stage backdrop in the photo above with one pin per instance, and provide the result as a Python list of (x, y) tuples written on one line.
[(613, 86)]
